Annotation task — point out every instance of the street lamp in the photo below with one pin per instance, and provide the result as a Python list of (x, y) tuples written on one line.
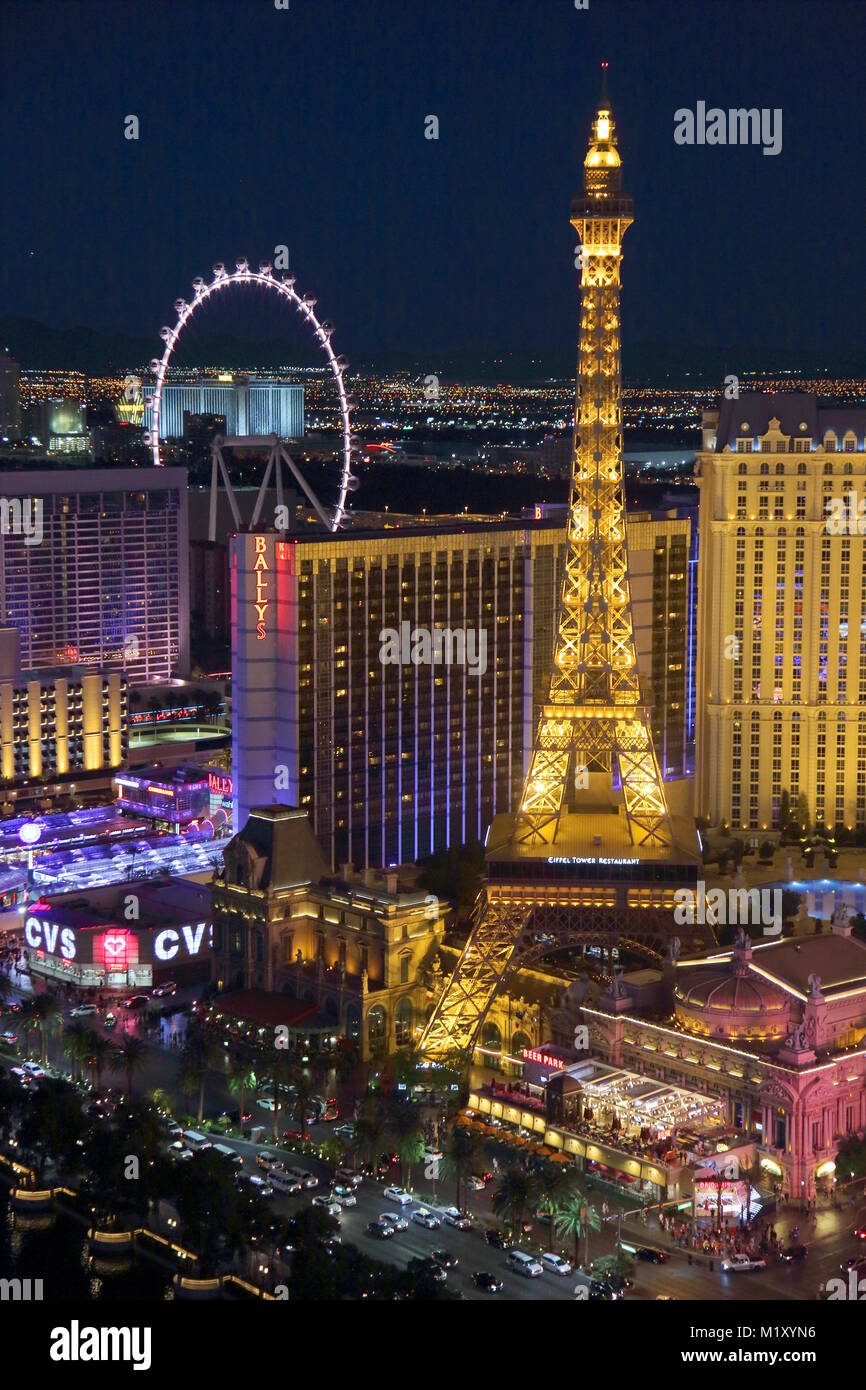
[(30, 834)]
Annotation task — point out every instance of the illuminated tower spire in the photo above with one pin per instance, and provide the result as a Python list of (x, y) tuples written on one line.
[(593, 724)]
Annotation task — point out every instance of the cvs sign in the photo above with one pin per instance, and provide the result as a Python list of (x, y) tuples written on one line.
[(167, 943), (44, 936)]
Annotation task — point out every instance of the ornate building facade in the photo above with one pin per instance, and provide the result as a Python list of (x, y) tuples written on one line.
[(357, 946)]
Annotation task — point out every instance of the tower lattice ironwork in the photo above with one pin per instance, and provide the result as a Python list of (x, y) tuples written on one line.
[(593, 723)]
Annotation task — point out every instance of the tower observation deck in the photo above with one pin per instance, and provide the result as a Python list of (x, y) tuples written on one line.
[(592, 853)]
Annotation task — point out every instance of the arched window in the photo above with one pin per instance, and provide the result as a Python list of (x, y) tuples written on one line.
[(849, 467), (742, 468), (353, 1022), (801, 468), (519, 1042), (377, 1027), (780, 467), (403, 1022), (765, 468), (405, 963)]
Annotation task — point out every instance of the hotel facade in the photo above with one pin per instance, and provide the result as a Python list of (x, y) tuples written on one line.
[(781, 665), (394, 761)]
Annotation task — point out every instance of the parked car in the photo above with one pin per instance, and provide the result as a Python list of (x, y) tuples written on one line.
[(177, 1151), (653, 1257), (253, 1180), (83, 1011), (399, 1195), (740, 1263), (525, 1264), (423, 1217), (307, 1180), (499, 1240), (460, 1219), (489, 1283), (268, 1158), (557, 1264)]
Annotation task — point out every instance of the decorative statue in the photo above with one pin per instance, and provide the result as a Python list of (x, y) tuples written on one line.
[(742, 940), (675, 947), (619, 989), (814, 986), (796, 1039)]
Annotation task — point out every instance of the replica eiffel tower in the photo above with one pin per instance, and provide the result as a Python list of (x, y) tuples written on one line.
[(593, 792)]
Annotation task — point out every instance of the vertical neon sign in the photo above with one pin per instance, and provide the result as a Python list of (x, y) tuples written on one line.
[(261, 602)]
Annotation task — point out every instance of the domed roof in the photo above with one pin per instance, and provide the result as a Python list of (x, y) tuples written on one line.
[(715, 989)]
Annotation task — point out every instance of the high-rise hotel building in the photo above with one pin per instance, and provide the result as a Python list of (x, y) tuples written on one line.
[(393, 761), (94, 568), (781, 669)]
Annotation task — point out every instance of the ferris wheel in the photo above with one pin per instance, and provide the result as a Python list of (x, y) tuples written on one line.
[(283, 287)]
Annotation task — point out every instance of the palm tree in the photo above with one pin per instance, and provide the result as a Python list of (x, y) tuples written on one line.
[(515, 1191), (45, 1011), (187, 1080), (27, 1020), (402, 1125), (559, 1187), (73, 1041), (129, 1057), (577, 1218), (371, 1136), (303, 1088), (99, 1052), (460, 1157), (241, 1079), (201, 1052)]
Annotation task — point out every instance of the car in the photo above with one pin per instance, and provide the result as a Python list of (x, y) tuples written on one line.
[(83, 1011), (110, 1021), (476, 1184), (20, 1075), (741, 1263), (345, 1131), (460, 1219), (489, 1283), (794, 1252), (423, 1217), (174, 1131), (425, 1267), (268, 1158), (399, 1195), (8, 1039), (599, 1292), (856, 1262), (653, 1257), (34, 1069), (344, 1195), (266, 1103), (557, 1264), (253, 1180), (136, 1001), (307, 1180), (499, 1240), (162, 991), (395, 1219), (617, 1282), (860, 1233), (330, 1113), (292, 1136), (380, 1230), (179, 1151), (349, 1176), (444, 1258), (328, 1204)]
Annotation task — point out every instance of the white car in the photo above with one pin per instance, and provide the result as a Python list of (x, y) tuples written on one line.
[(33, 1069), (555, 1263), (256, 1183), (179, 1151), (266, 1102), (306, 1179), (345, 1195), (393, 1218), (349, 1176), (83, 1011), (329, 1205), (423, 1217), (742, 1262), (460, 1219), (398, 1195)]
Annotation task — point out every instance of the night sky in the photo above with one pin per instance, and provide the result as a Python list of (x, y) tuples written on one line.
[(306, 127)]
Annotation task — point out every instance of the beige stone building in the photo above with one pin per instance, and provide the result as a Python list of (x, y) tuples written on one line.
[(356, 946), (781, 665)]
